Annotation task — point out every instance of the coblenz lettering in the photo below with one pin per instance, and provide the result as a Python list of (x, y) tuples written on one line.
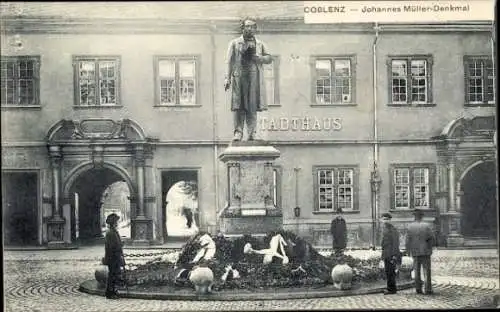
[(325, 9)]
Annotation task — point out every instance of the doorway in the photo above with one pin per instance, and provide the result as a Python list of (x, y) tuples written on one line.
[(479, 203), (180, 209), (20, 208), (95, 194)]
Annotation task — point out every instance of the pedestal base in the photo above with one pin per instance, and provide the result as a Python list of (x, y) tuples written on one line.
[(55, 227), (141, 231), (251, 204), (250, 225), (455, 240)]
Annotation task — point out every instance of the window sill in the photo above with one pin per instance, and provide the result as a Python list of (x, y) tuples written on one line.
[(273, 105), (412, 105), (334, 105), (479, 105), (98, 107), (412, 210), (177, 106), (36, 107), (334, 212)]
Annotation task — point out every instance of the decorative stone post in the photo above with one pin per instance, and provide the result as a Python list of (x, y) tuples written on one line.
[(141, 222), (55, 224), (250, 207)]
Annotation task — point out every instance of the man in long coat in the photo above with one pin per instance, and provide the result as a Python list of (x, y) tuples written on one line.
[(244, 73), (419, 242), (338, 229), (113, 256), (390, 252)]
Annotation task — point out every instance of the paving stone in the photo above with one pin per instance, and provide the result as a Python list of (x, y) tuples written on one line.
[(49, 280), (53, 286)]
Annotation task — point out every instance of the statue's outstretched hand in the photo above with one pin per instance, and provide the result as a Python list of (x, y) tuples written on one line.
[(227, 84)]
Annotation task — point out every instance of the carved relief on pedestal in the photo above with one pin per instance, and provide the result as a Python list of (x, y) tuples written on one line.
[(234, 185)]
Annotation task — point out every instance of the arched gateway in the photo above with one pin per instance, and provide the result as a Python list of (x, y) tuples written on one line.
[(468, 181), (87, 157)]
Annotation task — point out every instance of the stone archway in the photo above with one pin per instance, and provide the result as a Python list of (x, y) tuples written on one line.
[(463, 146), (84, 211), (110, 149), (478, 203)]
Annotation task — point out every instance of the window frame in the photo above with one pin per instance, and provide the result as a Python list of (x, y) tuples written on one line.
[(429, 69), (96, 58), (412, 166), (355, 188), (276, 81), (467, 59), (353, 61), (176, 59), (36, 77)]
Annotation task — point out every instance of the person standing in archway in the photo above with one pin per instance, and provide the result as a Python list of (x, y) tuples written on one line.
[(113, 256)]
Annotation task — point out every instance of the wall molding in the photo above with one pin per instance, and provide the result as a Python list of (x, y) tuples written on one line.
[(211, 143)]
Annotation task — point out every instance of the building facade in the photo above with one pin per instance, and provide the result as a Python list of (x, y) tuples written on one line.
[(369, 118)]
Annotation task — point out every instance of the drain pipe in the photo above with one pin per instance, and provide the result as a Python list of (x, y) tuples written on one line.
[(375, 179), (493, 54), (213, 29), (375, 113)]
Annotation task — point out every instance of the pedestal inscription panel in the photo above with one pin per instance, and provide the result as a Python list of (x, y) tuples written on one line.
[(250, 188)]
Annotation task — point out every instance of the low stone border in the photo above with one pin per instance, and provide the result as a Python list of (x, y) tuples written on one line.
[(92, 287)]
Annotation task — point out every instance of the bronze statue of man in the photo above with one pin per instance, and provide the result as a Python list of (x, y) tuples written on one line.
[(244, 74)]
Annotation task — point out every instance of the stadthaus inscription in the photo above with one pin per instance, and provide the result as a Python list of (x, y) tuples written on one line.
[(301, 123)]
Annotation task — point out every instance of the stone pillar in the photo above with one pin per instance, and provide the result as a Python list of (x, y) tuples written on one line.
[(141, 223), (149, 206), (55, 224), (453, 214), (250, 208)]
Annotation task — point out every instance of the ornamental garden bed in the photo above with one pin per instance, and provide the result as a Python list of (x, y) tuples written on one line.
[(279, 262)]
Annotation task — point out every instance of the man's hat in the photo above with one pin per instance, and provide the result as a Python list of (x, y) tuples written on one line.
[(418, 212), (112, 218), (386, 216)]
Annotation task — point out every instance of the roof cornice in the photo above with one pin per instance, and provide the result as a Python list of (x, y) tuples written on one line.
[(60, 25)]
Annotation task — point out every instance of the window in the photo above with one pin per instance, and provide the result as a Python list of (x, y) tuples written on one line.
[(97, 81), (334, 80), (410, 80), (411, 187), (271, 80), (479, 80), (334, 189), (20, 80), (176, 80)]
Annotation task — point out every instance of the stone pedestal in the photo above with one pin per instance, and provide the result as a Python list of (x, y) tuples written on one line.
[(55, 233), (454, 238), (250, 207), (141, 231)]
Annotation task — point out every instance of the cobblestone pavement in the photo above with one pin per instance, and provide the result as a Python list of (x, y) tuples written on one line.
[(49, 281)]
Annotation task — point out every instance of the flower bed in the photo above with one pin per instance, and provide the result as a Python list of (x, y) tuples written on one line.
[(305, 267)]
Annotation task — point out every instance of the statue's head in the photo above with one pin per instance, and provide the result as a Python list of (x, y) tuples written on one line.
[(248, 27)]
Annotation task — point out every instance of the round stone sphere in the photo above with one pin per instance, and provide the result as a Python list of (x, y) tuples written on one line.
[(202, 279), (101, 275), (342, 276)]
